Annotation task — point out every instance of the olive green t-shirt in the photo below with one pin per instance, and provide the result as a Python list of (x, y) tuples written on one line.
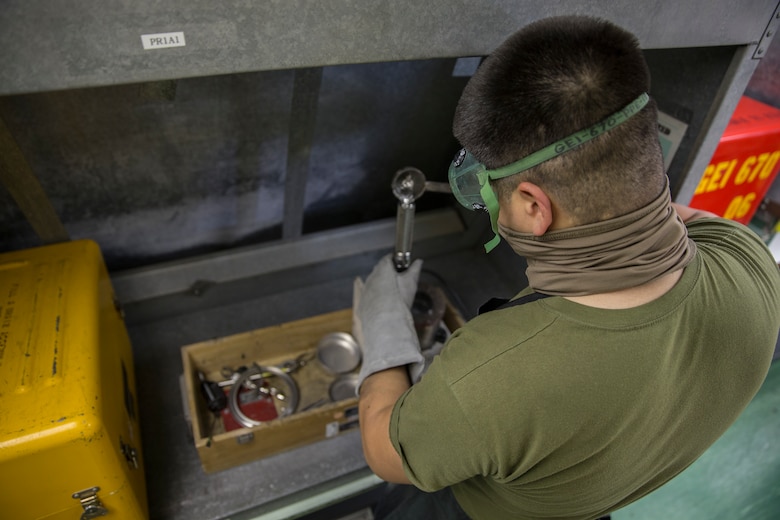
[(553, 409)]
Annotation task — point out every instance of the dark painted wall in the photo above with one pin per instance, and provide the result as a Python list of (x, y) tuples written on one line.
[(164, 170)]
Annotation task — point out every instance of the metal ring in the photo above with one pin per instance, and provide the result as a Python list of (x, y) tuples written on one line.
[(291, 401)]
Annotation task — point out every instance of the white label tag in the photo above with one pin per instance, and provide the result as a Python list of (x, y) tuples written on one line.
[(163, 40), (331, 429)]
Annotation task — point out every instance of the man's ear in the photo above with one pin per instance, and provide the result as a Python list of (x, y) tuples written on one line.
[(536, 206)]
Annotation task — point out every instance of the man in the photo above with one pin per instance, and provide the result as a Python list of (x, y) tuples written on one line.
[(647, 327)]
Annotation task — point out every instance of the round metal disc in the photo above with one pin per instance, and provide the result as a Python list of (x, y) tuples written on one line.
[(408, 184), (338, 352)]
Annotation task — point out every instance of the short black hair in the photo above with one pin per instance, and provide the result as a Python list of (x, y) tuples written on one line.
[(549, 80)]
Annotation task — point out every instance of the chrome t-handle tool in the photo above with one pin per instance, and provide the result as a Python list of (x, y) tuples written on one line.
[(408, 185)]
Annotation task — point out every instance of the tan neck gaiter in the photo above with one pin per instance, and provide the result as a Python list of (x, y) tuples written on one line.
[(615, 254)]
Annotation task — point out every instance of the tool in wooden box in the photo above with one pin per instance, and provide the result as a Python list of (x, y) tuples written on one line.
[(255, 379), (290, 366), (289, 399), (216, 400)]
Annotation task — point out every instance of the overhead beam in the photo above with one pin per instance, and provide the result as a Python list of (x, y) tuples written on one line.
[(94, 43)]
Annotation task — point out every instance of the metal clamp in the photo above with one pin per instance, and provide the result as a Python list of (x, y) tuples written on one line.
[(291, 398), (290, 366), (93, 508)]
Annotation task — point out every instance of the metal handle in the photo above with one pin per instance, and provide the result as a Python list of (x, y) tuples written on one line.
[(408, 185), (404, 236), (438, 187)]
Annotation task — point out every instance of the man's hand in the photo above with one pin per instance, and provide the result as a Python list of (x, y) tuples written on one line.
[(688, 214), (382, 320)]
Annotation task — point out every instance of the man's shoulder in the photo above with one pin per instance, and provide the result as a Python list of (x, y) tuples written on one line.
[(726, 239), (716, 229), (489, 335), (511, 321)]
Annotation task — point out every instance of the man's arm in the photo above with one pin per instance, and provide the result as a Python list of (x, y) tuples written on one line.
[(688, 214), (384, 328), (378, 395)]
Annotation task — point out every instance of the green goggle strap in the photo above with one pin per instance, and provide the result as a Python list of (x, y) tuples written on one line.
[(545, 154), (491, 203), (573, 141)]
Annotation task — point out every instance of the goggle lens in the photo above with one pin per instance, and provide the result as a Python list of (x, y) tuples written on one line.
[(471, 187), (464, 176)]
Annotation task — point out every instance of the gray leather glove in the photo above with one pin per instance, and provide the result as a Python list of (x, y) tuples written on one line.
[(382, 321)]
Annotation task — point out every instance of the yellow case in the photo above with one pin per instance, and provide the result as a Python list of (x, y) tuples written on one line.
[(70, 443)]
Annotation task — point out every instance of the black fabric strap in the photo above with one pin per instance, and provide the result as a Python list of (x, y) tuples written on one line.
[(495, 304)]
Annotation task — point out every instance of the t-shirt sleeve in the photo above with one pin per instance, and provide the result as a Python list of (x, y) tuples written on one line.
[(733, 242), (437, 443)]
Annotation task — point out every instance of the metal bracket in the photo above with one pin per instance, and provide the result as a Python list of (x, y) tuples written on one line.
[(769, 33), (130, 453), (93, 508)]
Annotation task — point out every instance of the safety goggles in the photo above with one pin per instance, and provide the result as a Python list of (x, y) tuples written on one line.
[(470, 179)]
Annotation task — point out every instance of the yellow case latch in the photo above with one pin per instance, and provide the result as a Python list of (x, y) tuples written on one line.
[(93, 508)]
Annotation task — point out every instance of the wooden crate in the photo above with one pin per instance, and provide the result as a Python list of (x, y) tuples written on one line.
[(271, 346)]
